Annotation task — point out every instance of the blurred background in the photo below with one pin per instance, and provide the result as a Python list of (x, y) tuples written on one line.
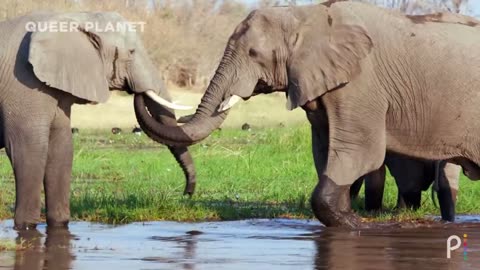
[(186, 39)]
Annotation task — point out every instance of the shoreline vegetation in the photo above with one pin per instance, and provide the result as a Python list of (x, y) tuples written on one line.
[(261, 173)]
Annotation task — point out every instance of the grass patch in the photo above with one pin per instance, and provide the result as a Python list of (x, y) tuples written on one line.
[(264, 173), (7, 245), (12, 245)]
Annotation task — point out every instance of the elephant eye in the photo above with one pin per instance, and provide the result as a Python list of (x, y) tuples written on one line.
[(252, 52)]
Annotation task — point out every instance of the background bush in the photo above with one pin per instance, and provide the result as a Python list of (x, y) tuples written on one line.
[(186, 38)]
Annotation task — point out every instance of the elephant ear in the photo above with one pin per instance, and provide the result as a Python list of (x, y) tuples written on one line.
[(322, 62), (71, 62)]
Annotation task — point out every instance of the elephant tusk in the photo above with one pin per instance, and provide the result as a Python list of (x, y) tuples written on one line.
[(228, 103), (289, 104), (165, 102)]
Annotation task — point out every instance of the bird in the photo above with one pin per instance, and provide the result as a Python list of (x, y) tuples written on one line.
[(116, 130), (246, 127), (137, 131), (74, 130)]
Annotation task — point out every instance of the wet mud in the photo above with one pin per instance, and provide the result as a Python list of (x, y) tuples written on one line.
[(248, 244)]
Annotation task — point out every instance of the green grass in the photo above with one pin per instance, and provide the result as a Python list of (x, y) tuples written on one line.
[(264, 173), (7, 245), (10, 245)]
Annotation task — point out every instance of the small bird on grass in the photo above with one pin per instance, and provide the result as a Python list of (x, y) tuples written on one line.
[(116, 130), (246, 127), (137, 131)]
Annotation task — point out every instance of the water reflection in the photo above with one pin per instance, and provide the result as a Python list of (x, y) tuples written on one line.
[(253, 244), (38, 252), (187, 243), (392, 249), (190, 246)]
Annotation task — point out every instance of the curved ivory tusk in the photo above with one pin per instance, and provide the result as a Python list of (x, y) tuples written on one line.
[(289, 104), (228, 103), (165, 102)]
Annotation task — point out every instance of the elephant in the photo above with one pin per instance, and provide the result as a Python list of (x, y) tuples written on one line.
[(370, 80), (43, 73), (412, 176)]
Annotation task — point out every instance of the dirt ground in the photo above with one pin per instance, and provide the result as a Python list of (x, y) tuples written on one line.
[(260, 111)]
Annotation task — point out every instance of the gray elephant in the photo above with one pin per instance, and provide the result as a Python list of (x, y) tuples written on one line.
[(44, 71), (370, 80), (412, 176)]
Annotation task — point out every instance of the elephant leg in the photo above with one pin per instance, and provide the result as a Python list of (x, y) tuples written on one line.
[(452, 173), (412, 199), (400, 201), (411, 177), (58, 172), (330, 199), (355, 188), (330, 202), (339, 156), (27, 149), (184, 159), (374, 187), (448, 175)]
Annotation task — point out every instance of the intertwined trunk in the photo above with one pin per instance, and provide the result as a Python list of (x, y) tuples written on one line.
[(181, 153), (205, 120)]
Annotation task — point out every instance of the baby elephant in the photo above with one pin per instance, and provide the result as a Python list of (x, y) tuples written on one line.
[(412, 176)]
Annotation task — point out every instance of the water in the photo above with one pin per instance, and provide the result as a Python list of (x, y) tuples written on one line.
[(249, 244)]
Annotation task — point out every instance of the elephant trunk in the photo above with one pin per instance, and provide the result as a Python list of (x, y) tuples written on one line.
[(205, 120), (182, 156)]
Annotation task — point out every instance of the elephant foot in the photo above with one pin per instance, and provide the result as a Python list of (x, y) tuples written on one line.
[(412, 199), (24, 226), (331, 205), (373, 202), (446, 199), (400, 203)]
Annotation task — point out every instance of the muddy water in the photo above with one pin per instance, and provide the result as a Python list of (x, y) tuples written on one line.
[(251, 244)]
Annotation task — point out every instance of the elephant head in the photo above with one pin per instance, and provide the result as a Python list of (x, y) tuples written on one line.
[(303, 51), (94, 57)]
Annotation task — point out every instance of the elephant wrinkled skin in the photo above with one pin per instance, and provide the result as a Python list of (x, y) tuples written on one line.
[(383, 81), (45, 72)]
